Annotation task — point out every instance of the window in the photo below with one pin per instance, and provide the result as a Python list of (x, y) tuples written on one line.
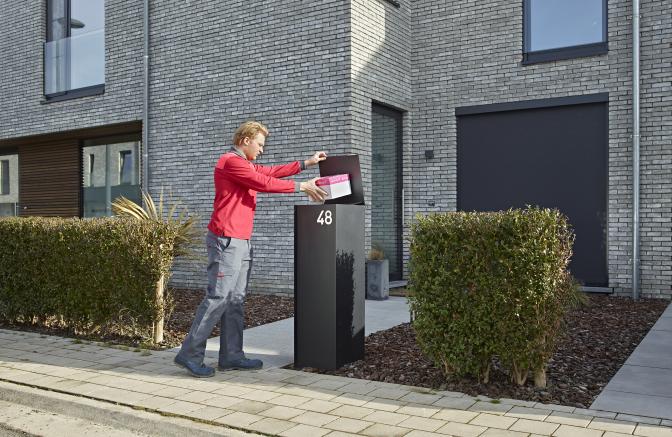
[(9, 184), (125, 167), (74, 54), (4, 177), (387, 185), (92, 163), (564, 29), (112, 172)]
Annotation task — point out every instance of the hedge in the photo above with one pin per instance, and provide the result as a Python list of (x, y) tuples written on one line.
[(89, 275), (487, 285)]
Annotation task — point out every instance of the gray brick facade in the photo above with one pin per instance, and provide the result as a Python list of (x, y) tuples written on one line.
[(469, 53), (22, 38), (310, 70), (284, 65)]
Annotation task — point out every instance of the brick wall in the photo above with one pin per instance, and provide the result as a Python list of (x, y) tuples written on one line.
[(22, 36), (217, 64)]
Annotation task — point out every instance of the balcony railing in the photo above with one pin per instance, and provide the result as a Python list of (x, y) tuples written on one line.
[(74, 63)]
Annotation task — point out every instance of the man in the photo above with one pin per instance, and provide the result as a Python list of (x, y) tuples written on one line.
[(237, 181)]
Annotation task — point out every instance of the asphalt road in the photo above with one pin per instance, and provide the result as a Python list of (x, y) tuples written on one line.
[(22, 421), (5, 431)]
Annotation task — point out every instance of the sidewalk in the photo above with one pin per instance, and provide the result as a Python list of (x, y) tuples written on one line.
[(644, 384), (291, 403)]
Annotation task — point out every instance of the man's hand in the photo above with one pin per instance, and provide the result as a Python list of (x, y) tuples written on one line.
[(315, 193), (317, 157)]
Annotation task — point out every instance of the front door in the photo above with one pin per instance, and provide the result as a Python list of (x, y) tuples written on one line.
[(9, 185), (386, 186)]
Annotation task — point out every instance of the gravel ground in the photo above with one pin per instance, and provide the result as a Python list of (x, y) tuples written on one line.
[(597, 340)]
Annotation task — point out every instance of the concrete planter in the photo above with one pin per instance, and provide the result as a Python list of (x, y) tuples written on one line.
[(377, 279)]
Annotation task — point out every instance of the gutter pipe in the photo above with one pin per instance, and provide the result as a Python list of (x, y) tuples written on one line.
[(635, 150), (145, 101)]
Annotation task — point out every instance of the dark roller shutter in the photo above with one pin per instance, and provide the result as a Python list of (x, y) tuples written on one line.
[(552, 157), (49, 179)]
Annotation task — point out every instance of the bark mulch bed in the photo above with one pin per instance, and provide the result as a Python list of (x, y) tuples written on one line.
[(597, 340)]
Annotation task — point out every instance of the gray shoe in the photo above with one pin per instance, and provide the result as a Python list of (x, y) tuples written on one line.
[(241, 364), (199, 371)]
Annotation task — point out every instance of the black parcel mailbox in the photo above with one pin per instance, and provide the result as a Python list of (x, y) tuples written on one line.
[(329, 274)]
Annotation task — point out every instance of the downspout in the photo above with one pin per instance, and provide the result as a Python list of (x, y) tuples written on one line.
[(635, 149), (145, 101)]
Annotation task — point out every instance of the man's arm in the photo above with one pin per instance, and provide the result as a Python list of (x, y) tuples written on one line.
[(240, 172), (280, 171)]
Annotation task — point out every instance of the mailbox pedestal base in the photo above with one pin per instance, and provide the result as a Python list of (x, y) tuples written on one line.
[(328, 285)]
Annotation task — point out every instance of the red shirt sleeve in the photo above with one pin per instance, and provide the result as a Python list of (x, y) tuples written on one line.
[(243, 173), (279, 171)]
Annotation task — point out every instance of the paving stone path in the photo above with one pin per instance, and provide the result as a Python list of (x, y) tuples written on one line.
[(290, 403)]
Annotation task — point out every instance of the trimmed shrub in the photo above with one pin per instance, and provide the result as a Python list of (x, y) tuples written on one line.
[(89, 275), (491, 284)]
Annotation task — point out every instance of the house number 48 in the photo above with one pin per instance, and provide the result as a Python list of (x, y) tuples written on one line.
[(324, 218)]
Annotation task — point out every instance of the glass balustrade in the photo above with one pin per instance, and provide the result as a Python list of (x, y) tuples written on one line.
[(74, 63)]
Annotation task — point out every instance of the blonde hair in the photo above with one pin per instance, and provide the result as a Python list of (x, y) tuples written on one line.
[(249, 129)]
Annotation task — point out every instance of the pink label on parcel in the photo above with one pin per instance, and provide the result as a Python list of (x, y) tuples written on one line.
[(331, 180)]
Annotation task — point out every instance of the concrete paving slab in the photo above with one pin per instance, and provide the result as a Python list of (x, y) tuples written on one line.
[(273, 343), (643, 380), (643, 386), (633, 403), (385, 314), (663, 324), (656, 351)]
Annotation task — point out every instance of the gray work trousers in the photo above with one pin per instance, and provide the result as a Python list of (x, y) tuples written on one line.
[(229, 266)]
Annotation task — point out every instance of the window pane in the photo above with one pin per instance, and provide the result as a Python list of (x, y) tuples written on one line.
[(86, 16), (386, 186), (9, 184), (87, 30), (92, 165), (564, 23), (110, 171), (94, 192), (75, 56), (125, 167), (4, 177), (57, 20)]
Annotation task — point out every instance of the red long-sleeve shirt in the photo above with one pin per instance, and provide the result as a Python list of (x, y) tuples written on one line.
[(237, 182)]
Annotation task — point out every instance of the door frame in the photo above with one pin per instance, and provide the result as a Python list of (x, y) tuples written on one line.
[(398, 116)]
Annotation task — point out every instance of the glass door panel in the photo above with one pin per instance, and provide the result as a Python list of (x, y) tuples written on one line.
[(109, 171), (386, 186), (9, 185)]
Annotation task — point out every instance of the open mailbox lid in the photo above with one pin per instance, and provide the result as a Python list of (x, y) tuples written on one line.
[(345, 164)]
